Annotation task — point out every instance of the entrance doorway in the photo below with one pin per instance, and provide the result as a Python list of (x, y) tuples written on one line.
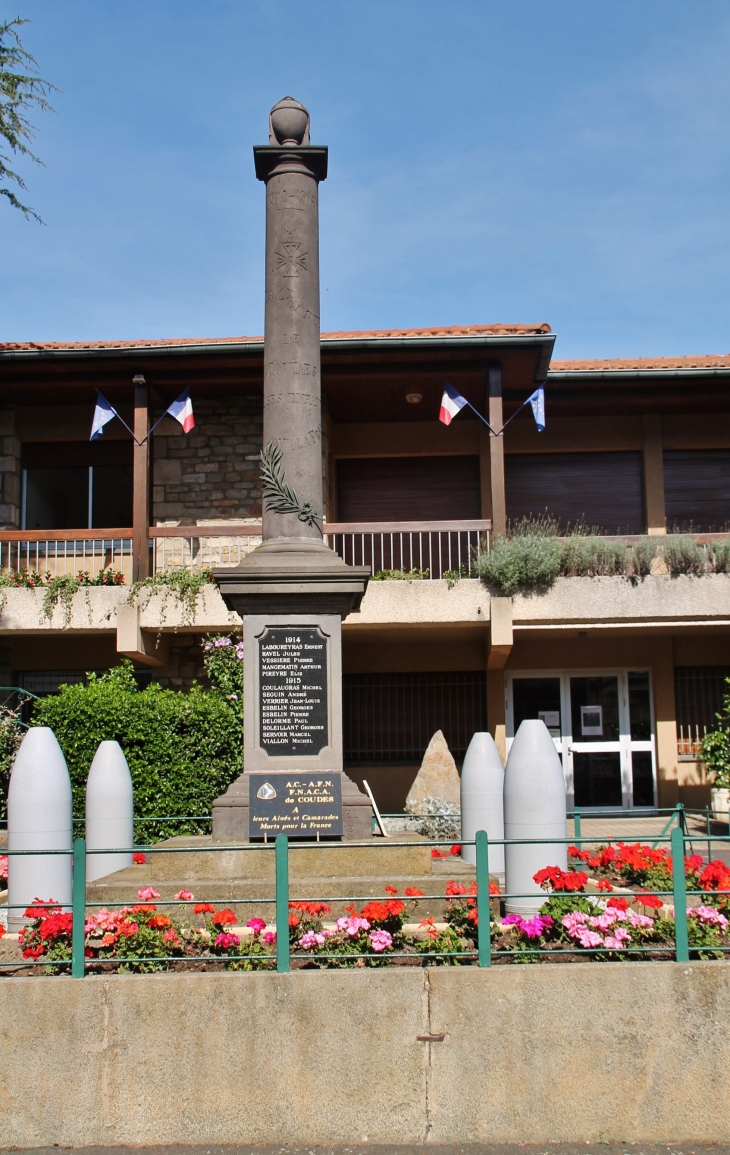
[(603, 729)]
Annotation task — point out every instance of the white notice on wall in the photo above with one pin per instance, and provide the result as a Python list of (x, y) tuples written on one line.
[(551, 718), (591, 721)]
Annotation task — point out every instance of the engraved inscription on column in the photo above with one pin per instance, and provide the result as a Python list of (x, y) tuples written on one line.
[(293, 691)]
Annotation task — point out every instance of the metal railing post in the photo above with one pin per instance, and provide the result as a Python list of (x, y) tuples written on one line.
[(576, 824), (282, 903), (484, 912), (679, 889), (78, 908), (681, 817)]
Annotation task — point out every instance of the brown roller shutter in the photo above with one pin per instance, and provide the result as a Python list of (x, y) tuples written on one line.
[(601, 490), (697, 489), (408, 489)]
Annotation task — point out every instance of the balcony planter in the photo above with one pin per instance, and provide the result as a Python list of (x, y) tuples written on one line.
[(720, 804)]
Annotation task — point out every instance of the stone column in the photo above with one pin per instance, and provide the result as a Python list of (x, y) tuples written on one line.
[(293, 591), (292, 395)]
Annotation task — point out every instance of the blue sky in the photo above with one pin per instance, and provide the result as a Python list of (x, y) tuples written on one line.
[(505, 160)]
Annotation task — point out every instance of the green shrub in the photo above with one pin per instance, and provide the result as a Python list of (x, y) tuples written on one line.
[(183, 750), (715, 747), (528, 561), (11, 734), (683, 555)]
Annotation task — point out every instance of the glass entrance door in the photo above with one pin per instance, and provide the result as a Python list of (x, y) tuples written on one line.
[(601, 724)]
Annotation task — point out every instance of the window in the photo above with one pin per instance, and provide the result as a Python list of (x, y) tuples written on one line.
[(601, 490), (79, 485), (392, 717), (698, 695), (408, 489), (697, 490)]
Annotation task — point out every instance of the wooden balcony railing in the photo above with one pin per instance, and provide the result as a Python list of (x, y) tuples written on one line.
[(433, 548)]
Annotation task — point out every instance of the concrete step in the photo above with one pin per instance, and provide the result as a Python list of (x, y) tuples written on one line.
[(334, 872)]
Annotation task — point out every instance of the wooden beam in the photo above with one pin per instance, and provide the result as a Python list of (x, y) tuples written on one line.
[(653, 463), (141, 484), (496, 452)]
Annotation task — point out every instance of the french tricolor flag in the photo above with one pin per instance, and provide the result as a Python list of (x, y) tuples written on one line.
[(182, 411), (451, 403)]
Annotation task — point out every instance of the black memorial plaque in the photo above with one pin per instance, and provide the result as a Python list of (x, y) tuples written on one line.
[(293, 691), (300, 805)]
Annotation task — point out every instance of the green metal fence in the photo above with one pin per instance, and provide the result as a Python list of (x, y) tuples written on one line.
[(483, 956)]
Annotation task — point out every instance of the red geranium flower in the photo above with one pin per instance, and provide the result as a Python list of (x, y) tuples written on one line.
[(715, 876), (203, 908), (651, 900), (390, 889), (313, 909), (456, 849), (224, 918), (55, 925), (159, 921), (618, 902), (413, 892), (604, 884), (583, 855), (436, 853), (557, 879), (140, 859)]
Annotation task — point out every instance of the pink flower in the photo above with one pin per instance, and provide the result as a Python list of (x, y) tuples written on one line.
[(147, 893), (3, 866), (352, 926), (184, 896), (639, 919), (312, 938), (380, 940), (708, 915), (225, 941), (170, 936), (587, 938), (257, 925), (270, 937)]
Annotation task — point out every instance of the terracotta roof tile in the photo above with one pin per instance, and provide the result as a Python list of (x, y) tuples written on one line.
[(452, 331), (707, 361)]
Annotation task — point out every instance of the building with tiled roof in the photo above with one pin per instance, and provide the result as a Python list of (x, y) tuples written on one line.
[(635, 449)]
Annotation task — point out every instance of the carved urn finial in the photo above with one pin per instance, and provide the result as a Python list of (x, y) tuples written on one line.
[(289, 123)]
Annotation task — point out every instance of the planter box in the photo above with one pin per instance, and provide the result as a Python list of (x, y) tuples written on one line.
[(720, 805)]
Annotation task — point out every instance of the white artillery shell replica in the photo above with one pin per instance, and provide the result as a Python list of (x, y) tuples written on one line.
[(109, 811), (482, 799), (534, 807), (39, 818)]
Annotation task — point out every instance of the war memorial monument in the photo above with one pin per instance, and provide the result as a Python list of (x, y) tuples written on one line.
[(293, 591)]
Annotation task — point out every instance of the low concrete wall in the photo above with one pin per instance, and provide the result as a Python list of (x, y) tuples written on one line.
[(632, 1052)]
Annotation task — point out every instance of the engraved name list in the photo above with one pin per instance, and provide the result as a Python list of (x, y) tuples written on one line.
[(293, 689)]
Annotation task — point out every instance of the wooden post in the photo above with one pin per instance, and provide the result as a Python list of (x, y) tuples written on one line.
[(496, 452), (653, 460), (141, 483)]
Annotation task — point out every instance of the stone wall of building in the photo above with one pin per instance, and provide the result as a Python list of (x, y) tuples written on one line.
[(212, 474), (9, 471)]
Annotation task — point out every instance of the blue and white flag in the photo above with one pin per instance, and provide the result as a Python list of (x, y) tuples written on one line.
[(537, 401), (103, 414)]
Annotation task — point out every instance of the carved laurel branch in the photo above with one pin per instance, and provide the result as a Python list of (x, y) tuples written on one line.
[(279, 497)]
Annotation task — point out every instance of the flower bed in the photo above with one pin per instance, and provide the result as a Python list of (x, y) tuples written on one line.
[(582, 917)]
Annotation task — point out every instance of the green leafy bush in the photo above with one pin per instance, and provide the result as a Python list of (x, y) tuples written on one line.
[(11, 734), (183, 750), (534, 554), (715, 748)]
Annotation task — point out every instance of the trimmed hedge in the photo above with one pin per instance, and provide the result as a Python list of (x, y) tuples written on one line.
[(183, 750)]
